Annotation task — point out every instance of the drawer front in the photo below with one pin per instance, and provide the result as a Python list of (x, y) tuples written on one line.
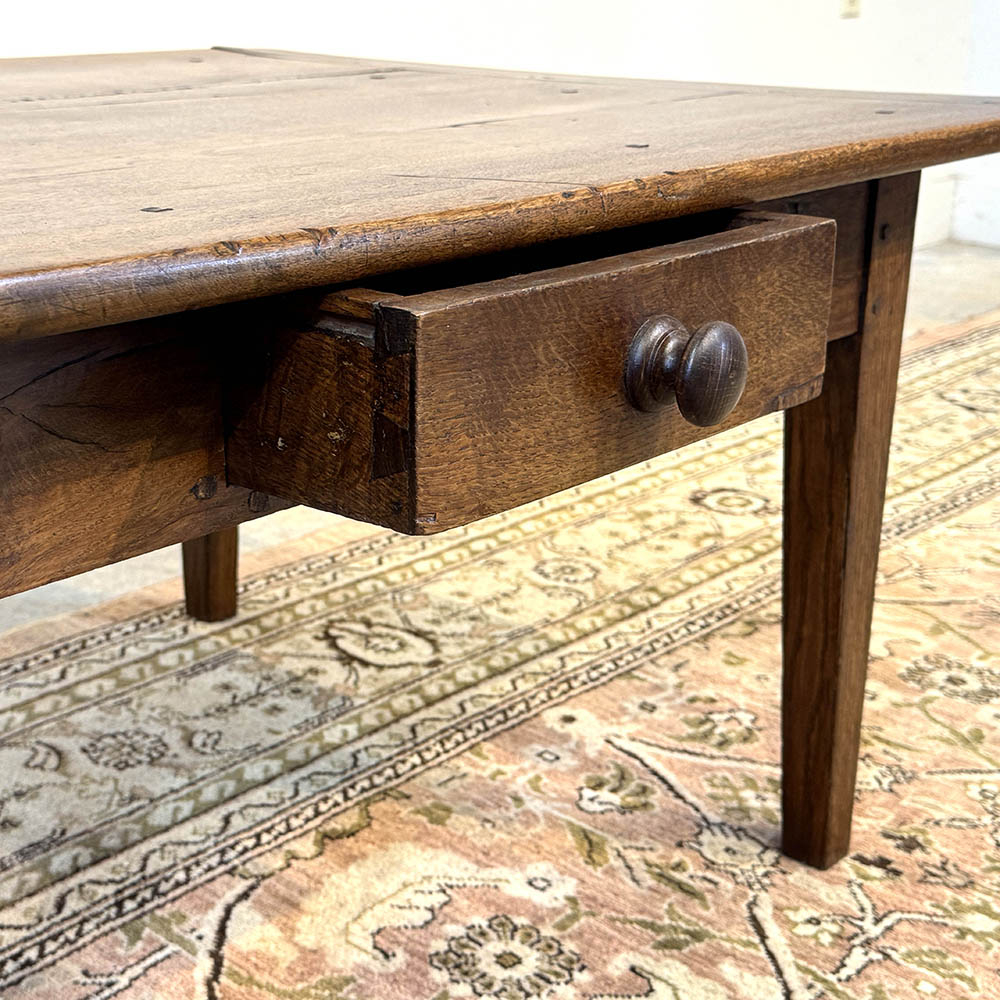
[(429, 410)]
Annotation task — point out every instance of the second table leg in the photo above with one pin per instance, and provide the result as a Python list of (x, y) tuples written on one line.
[(210, 575), (836, 453)]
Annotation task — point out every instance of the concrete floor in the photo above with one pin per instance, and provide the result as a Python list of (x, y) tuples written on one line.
[(949, 282)]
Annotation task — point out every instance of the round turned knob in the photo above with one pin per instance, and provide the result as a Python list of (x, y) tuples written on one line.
[(704, 372)]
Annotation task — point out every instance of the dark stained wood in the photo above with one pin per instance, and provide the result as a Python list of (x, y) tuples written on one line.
[(848, 206), (519, 382), (457, 403), (703, 373), (836, 452), (323, 416), (537, 221), (712, 374), (185, 179), (210, 571), (652, 360), (111, 444)]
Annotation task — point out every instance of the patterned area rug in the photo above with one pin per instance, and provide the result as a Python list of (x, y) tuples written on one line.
[(535, 757)]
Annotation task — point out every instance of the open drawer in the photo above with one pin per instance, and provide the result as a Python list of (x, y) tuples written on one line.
[(425, 409)]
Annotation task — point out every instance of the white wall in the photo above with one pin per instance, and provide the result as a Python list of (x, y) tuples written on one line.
[(977, 198), (948, 46)]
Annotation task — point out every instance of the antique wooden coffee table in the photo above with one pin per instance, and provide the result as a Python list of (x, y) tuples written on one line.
[(233, 281)]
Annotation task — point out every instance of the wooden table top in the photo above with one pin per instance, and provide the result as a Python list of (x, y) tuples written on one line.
[(138, 185)]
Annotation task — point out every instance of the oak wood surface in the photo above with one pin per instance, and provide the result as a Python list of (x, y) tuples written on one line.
[(456, 403), (141, 185), (145, 184), (535, 401), (848, 206), (323, 417), (836, 453), (210, 572), (111, 444)]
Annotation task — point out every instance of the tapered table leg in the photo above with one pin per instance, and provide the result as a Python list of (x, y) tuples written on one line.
[(210, 575), (836, 452)]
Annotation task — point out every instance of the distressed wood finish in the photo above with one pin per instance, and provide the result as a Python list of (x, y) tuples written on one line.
[(210, 572), (458, 403), (320, 414), (111, 444), (836, 453), (177, 180), (517, 229)]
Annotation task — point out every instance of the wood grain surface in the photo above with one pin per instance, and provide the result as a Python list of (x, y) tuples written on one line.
[(111, 444), (210, 574), (456, 403), (849, 207), (521, 381), (321, 414), (137, 185), (836, 455)]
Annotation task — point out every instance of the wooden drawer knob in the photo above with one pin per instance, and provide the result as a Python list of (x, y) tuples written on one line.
[(704, 372)]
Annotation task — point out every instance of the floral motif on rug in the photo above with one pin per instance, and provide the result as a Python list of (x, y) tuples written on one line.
[(533, 757)]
